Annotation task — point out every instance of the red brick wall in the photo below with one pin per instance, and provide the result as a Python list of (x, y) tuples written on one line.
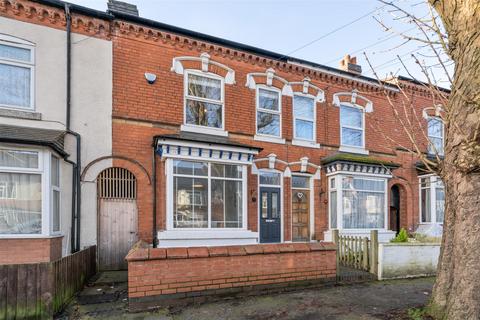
[(19, 251), (182, 271), (142, 110)]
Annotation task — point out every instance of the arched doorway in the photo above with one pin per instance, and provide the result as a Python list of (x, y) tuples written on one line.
[(395, 208), (117, 217)]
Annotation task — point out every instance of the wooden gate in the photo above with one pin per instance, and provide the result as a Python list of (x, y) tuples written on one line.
[(117, 207)]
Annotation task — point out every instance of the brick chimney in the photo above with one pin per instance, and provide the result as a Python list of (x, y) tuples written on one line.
[(122, 7), (350, 64)]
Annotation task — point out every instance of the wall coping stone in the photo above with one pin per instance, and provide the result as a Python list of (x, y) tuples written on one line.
[(141, 251)]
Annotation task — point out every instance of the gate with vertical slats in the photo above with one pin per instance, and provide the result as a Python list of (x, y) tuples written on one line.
[(117, 207)]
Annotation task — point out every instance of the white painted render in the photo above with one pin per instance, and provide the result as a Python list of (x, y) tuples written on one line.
[(404, 260), (91, 105)]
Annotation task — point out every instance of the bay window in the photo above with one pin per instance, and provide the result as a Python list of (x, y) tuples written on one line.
[(304, 116), (16, 73), (352, 126), (269, 112), (435, 136), (432, 199), (25, 200), (208, 195), (204, 100), (357, 202)]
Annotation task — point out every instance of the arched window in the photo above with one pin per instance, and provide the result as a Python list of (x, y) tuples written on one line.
[(16, 73)]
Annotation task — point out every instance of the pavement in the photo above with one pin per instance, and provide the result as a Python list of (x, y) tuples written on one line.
[(106, 298)]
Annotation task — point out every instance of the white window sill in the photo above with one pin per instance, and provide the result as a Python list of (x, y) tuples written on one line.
[(304, 143), (29, 236), (353, 150), (204, 130), (19, 113), (208, 237), (384, 235), (263, 138)]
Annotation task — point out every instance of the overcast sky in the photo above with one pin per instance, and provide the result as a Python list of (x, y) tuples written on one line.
[(321, 31)]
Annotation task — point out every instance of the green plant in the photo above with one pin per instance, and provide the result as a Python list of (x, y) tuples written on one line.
[(402, 236), (416, 313)]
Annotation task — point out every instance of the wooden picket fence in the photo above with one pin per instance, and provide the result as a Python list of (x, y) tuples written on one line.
[(40, 290), (355, 252)]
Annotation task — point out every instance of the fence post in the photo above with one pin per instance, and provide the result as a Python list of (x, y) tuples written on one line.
[(365, 253), (374, 252), (336, 240)]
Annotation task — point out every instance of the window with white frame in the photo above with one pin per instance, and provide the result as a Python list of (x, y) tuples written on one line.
[(55, 182), (208, 195), (304, 117), (352, 126), (204, 100), (357, 202), (432, 199), (16, 73), (269, 112), (20, 192), (435, 135)]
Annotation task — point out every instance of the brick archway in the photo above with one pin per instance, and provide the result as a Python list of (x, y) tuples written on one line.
[(400, 200)]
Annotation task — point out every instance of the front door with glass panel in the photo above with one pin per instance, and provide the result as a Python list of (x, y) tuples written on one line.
[(300, 208), (270, 216)]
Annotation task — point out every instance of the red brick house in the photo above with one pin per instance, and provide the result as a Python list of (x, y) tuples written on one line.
[(253, 147), (217, 143)]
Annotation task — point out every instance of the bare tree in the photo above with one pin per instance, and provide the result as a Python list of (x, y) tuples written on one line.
[(452, 29)]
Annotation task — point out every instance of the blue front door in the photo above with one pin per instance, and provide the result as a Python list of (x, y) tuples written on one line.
[(270, 215)]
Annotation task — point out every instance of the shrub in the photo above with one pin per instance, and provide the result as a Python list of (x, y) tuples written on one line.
[(402, 236)]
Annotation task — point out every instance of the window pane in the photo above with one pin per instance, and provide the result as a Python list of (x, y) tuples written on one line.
[(14, 53), (351, 117), (435, 127), (190, 202), (300, 182), (332, 183), (304, 129), (272, 178), (204, 114), (333, 209), (425, 205), (274, 205), (268, 99), (303, 107), (190, 168), (352, 137), (56, 210), (226, 171), (435, 146), (20, 203), (226, 204), (55, 171), (15, 84), (268, 123), (18, 159), (363, 210), (264, 205), (440, 204), (204, 87)]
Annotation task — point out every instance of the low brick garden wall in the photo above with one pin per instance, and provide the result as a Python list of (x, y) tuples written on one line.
[(159, 277)]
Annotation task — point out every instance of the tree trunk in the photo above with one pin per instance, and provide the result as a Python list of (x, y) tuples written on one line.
[(456, 294)]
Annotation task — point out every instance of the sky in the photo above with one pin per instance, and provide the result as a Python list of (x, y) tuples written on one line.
[(321, 31)]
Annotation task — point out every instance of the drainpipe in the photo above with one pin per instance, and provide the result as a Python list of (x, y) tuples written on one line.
[(76, 187), (154, 188)]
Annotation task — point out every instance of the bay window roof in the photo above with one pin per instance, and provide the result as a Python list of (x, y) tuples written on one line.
[(203, 146), (34, 136)]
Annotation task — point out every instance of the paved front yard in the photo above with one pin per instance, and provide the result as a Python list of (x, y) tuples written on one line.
[(374, 300)]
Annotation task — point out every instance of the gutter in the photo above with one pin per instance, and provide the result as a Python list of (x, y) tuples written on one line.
[(154, 190), (76, 187)]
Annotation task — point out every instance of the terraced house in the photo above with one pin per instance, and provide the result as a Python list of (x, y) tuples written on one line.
[(189, 140)]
